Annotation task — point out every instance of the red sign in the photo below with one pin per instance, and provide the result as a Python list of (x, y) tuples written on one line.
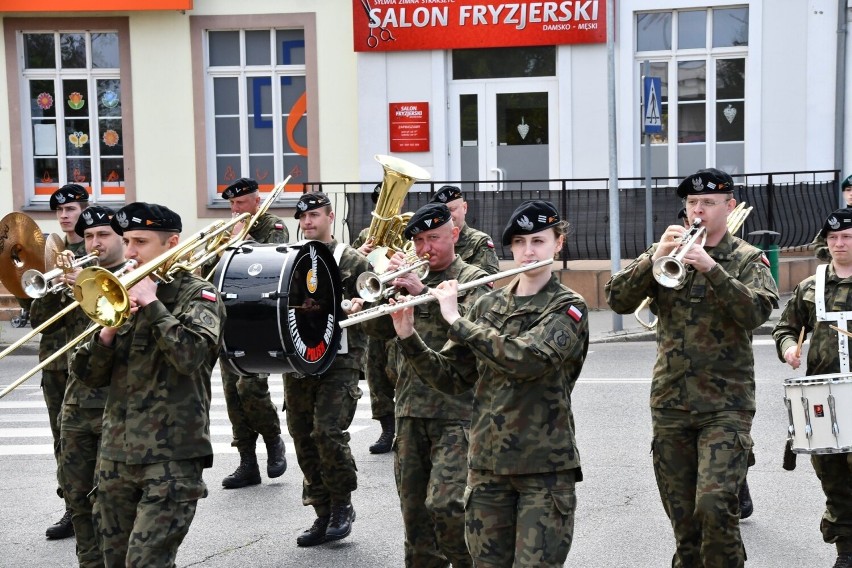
[(396, 25), (409, 127)]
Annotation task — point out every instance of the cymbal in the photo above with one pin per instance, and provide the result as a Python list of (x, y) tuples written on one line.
[(21, 248), (54, 244)]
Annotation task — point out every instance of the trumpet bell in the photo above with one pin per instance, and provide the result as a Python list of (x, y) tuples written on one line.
[(34, 283), (669, 272), (369, 286)]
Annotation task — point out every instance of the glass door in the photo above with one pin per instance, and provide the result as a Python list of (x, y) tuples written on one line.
[(503, 132)]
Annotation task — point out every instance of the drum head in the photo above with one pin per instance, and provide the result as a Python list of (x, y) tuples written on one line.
[(283, 305)]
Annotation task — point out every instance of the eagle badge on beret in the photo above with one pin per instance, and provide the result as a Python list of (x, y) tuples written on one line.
[(302, 205), (697, 184), (833, 223), (60, 197), (525, 223), (87, 217), (121, 219)]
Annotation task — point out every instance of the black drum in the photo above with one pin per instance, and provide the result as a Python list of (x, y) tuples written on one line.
[(283, 305)]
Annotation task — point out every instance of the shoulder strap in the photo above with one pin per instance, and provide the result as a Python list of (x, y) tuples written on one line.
[(338, 252)]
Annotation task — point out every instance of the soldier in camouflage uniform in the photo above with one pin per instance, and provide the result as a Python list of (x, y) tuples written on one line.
[(521, 348), (820, 247), (156, 425), (68, 202), (379, 375), (432, 427), (474, 247), (320, 408), (834, 470), (250, 407), (702, 393), (83, 407)]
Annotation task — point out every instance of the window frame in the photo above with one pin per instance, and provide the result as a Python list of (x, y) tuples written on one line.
[(205, 148), (23, 191)]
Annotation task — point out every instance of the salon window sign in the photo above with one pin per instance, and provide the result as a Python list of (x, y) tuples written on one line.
[(398, 25), (409, 127)]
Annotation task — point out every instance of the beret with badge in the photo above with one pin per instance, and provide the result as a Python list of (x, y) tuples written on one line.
[(446, 194), (242, 186), (430, 216), (311, 201), (70, 193), (141, 216), (840, 220), (94, 216), (530, 217), (706, 181), (846, 183)]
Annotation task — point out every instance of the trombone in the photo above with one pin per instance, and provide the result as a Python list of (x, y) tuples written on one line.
[(735, 222), (372, 287), (386, 309), (38, 284)]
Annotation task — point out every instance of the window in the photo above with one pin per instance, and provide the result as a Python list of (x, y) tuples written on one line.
[(258, 84), (74, 119), (700, 55)]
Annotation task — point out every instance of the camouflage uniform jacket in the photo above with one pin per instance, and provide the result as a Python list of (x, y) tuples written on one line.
[(414, 397), (269, 229), (41, 309), (361, 238), (704, 361), (158, 371), (800, 311), (523, 360), (477, 249)]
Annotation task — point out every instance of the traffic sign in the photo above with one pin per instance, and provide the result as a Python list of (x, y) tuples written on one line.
[(652, 112)]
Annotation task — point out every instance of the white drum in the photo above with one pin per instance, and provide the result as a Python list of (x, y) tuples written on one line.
[(820, 411)]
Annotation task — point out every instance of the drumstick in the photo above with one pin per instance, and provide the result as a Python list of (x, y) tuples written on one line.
[(843, 331), (799, 344)]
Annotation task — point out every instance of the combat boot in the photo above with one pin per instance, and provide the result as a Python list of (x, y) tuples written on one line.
[(340, 524), (247, 473), (385, 442), (314, 535), (62, 529), (844, 560), (276, 460), (746, 504)]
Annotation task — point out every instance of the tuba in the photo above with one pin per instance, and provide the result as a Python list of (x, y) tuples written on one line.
[(387, 224)]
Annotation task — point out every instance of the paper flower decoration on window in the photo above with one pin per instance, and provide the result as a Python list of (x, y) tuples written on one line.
[(110, 138), (76, 101), (44, 101), (109, 99)]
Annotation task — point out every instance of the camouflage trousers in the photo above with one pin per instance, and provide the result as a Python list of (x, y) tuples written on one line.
[(382, 384), (53, 388), (520, 520), (700, 461), (78, 458), (143, 512), (250, 409), (430, 466), (319, 411), (835, 474)]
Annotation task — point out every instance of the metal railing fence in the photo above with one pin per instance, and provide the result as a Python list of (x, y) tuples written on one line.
[(793, 204)]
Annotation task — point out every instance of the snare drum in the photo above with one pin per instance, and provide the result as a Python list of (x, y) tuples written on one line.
[(283, 306), (819, 408)]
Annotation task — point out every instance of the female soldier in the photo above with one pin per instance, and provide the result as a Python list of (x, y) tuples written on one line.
[(522, 347)]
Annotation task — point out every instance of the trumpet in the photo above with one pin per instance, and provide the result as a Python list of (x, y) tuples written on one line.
[(37, 284), (372, 287), (386, 309), (669, 270)]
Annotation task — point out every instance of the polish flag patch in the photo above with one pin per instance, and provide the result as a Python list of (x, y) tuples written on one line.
[(208, 295), (279, 226), (489, 243), (574, 313), (764, 260)]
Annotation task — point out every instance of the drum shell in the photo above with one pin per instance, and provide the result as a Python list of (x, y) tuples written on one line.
[(267, 291), (820, 413)]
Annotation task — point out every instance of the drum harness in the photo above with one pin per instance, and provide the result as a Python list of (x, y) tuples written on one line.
[(840, 317), (339, 249)]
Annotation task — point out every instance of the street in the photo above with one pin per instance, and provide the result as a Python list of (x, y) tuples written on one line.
[(619, 521)]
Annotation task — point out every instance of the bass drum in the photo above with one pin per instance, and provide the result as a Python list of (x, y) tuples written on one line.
[(283, 307)]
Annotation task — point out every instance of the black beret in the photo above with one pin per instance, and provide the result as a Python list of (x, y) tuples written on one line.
[(846, 183), (840, 220), (376, 191), (94, 216), (709, 180), (530, 217), (70, 193), (446, 194), (146, 217), (242, 186), (430, 216), (311, 201)]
